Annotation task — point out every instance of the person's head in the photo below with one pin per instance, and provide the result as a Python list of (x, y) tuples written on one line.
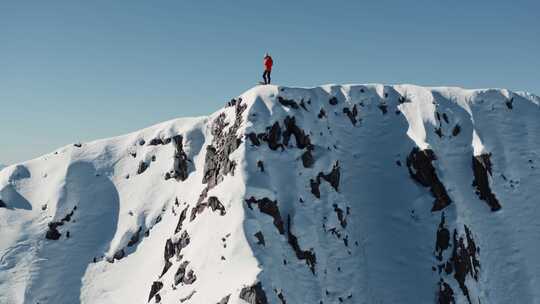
[(266, 55)]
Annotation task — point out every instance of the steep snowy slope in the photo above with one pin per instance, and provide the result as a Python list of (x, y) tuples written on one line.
[(336, 194)]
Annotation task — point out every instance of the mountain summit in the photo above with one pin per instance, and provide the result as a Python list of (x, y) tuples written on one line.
[(335, 194)]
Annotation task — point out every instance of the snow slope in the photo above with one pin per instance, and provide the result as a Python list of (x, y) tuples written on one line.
[(335, 194)]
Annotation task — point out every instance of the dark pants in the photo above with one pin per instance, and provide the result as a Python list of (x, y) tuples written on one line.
[(266, 77)]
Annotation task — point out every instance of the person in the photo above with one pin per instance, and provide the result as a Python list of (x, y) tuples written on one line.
[(268, 62)]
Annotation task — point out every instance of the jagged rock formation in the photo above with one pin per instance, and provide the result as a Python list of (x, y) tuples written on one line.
[(337, 194), (253, 294), (421, 170), (482, 169)]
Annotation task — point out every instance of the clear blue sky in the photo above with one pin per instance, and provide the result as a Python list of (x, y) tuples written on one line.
[(81, 70)]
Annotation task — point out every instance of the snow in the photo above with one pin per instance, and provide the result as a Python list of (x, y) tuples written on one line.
[(384, 254)]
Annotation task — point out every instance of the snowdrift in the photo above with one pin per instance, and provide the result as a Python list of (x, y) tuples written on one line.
[(335, 194)]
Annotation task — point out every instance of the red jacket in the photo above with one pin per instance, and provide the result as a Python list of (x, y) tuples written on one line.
[(268, 62)]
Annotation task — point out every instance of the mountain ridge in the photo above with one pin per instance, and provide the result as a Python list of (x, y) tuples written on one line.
[(230, 208)]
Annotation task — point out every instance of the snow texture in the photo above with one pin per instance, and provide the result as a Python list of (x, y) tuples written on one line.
[(334, 194)]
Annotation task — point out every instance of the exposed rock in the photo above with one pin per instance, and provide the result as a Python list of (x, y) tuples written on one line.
[(142, 167), (180, 166), (472, 250), (302, 140), (268, 207), (183, 215), (68, 216), (189, 278), (333, 101), (155, 142), (217, 161), (464, 261), (445, 117), (253, 294), (135, 237), (174, 249), (340, 215), (351, 114), (510, 103), (445, 295), (3, 205), (184, 276), (421, 170), (168, 254), (307, 255), (314, 184), (253, 138), (287, 102), (53, 233), (120, 254), (383, 107), (456, 130), (215, 204), (202, 197), (443, 238), (303, 105), (188, 297), (260, 165), (156, 287), (182, 243), (211, 167), (281, 297), (321, 114), (231, 103), (260, 238), (481, 169), (159, 141), (333, 177), (225, 300), (404, 99), (438, 131), (307, 159), (274, 137)]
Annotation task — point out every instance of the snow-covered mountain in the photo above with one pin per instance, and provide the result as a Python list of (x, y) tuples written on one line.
[(335, 194), (2, 166)]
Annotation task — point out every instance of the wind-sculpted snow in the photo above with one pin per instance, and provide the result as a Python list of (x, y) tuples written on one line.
[(335, 194)]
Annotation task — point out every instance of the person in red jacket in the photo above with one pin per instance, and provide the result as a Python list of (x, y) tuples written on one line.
[(268, 62)]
